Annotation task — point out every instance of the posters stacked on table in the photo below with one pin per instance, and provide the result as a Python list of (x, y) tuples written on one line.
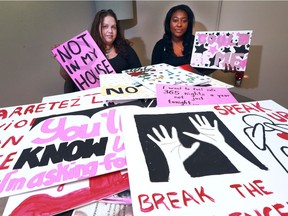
[(45, 146), (83, 60), (214, 49), (227, 159), (162, 73), (50, 105), (98, 98)]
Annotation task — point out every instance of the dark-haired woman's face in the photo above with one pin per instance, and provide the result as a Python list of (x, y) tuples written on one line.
[(178, 23), (108, 30)]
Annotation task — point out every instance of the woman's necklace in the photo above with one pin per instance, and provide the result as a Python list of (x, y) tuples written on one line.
[(107, 51)]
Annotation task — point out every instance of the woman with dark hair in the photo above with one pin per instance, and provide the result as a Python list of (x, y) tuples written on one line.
[(106, 32), (175, 48)]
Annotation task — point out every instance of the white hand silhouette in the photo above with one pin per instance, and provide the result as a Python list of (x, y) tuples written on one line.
[(207, 132), (212, 135), (174, 151)]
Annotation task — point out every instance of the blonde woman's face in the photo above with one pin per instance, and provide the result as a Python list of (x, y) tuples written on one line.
[(108, 30)]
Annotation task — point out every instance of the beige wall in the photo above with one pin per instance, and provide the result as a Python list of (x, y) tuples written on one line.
[(267, 64), (29, 29), (150, 16)]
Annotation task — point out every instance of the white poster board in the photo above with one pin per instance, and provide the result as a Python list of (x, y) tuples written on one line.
[(228, 159), (41, 148)]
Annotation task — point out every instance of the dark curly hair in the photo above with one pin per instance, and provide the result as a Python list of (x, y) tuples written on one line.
[(187, 37), (119, 43)]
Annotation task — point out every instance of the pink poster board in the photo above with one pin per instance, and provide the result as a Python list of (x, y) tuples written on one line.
[(176, 95), (83, 60), (214, 49)]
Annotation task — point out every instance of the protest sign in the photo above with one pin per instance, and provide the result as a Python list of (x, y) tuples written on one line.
[(123, 87), (44, 151), (162, 73), (226, 159), (66, 196), (177, 95), (83, 60), (214, 49)]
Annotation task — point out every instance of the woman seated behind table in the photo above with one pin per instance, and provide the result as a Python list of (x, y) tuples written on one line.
[(106, 32), (175, 47)]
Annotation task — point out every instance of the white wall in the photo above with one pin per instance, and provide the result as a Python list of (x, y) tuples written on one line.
[(29, 29), (267, 72)]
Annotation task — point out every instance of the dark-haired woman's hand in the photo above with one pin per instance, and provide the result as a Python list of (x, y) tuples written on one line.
[(64, 74), (229, 69), (53, 47)]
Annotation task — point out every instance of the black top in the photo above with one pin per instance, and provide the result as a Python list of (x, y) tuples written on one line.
[(161, 55), (119, 63)]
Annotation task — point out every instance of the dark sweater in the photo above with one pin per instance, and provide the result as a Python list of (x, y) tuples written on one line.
[(160, 55)]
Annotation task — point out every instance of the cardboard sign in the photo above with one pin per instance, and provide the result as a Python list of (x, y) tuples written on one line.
[(214, 49), (162, 73), (17, 116), (226, 159), (83, 60), (123, 87), (176, 95), (43, 151)]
